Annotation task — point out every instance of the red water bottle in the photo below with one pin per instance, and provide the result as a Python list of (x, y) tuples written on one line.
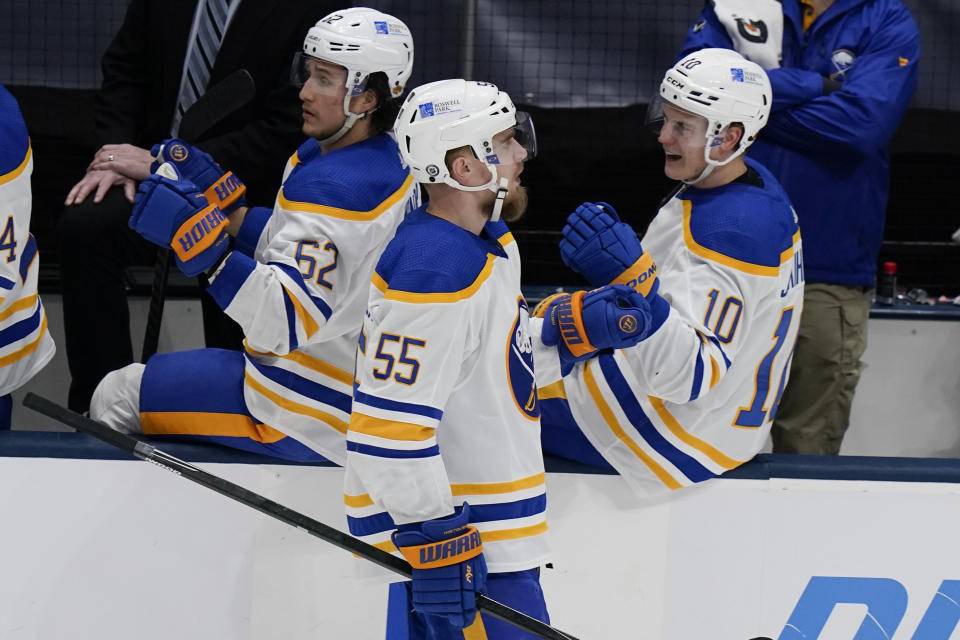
[(887, 284)]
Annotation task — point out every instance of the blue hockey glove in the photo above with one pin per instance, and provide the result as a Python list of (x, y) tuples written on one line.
[(448, 566), (221, 188), (604, 250), (583, 323), (173, 213)]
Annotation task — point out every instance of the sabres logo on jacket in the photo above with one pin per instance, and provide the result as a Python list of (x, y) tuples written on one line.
[(520, 364), (752, 30), (842, 61)]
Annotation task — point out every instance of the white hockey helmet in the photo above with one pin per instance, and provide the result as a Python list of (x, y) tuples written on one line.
[(363, 41), (450, 114), (723, 87)]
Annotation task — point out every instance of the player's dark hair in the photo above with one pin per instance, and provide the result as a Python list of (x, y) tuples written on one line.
[(388, 106)]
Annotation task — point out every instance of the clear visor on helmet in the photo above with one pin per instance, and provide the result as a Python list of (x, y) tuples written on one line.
[(675, 125), (519, 146), (324, 77)]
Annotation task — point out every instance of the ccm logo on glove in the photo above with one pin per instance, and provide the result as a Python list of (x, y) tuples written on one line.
[(197, 233)]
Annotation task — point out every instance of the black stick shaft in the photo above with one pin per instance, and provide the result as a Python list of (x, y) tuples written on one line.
[(216, 103), (273, 509), (151, 336)]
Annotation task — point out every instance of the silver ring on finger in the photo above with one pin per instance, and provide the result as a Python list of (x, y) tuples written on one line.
[(110, 157)]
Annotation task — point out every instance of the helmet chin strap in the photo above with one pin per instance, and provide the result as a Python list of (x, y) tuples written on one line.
[(351, 119), (707, 170), (711, 163), (501, 192), (497, 186), (349, 122)]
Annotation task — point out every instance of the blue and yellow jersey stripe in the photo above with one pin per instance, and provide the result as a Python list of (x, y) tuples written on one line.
[(288, 205), (443, 297), (716, 256), (15, 173)]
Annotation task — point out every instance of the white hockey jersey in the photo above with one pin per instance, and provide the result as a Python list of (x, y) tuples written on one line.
[(697, 397), (25, 342), (298, 279), (446, 409)]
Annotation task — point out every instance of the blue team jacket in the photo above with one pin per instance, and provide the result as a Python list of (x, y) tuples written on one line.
[(830, 151)]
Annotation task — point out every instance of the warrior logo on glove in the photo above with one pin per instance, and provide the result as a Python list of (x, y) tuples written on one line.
[(568, 317), (170, 212), (178, 152), (465, 546), (221, 187), (192, 233), (628, 324)]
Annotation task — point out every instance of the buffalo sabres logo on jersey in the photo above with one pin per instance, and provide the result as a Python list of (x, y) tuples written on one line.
[(520, 364), (752, 30)]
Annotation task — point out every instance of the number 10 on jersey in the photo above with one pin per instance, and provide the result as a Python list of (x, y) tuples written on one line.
[(755, 415)]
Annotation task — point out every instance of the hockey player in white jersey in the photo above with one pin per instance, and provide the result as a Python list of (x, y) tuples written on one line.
[(444, 460), (295, 278), (25, 342), (445, 411), (722, 267)]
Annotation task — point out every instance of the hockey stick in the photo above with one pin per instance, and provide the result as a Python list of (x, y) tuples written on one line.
[(217, 102), (273, 509)]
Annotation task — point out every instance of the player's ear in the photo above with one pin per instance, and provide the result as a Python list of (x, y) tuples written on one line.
[(732, 136), (460, 168), (365, 102), (458, 163)]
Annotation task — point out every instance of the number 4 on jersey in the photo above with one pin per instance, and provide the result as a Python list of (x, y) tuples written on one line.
[(8, 241)]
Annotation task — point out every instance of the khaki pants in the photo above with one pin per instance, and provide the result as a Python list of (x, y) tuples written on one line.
[(814, 412)]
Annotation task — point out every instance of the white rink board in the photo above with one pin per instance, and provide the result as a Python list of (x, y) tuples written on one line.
[(115, 550), (743, 551)]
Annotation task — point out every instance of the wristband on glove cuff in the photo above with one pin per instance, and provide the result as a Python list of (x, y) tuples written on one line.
[(454, 550), (641, 275)]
